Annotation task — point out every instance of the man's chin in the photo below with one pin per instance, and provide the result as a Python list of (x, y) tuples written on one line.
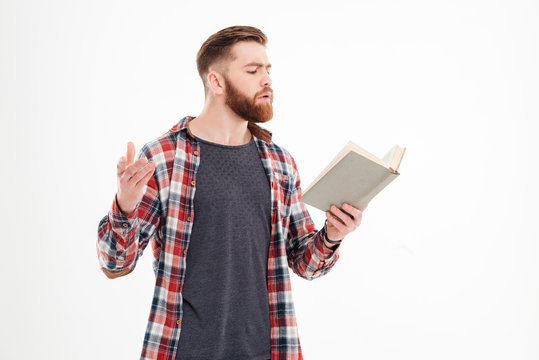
[(267, 113), (254, 113), (261, 116), (261, 119)]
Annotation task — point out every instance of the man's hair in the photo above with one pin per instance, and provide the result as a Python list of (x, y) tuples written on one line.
[(218, 47)]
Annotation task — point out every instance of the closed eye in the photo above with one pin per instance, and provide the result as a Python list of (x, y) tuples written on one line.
[(254, 71)]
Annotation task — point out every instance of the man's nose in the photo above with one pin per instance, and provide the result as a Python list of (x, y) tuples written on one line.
[(266, 79)]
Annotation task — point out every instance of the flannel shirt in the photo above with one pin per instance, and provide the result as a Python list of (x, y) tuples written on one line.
[(164, 217)]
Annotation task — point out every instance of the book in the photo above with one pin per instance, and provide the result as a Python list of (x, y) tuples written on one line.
[(354, 176)]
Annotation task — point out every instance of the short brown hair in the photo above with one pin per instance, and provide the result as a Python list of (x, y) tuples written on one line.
[(217, 46)]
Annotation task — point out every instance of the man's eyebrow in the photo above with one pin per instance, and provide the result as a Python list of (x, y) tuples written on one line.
[(257, 64)]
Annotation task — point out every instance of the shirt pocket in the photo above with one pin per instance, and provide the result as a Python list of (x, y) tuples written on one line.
[(285, 187)]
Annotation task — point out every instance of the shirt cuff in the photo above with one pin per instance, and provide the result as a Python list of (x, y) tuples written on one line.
[(323, 252), (121, 223)]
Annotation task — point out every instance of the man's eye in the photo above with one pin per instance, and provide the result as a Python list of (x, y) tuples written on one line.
[(252, 72)]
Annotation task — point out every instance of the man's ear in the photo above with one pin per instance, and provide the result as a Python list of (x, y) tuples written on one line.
[(216, 82)]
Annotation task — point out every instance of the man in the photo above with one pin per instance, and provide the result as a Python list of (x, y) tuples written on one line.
[(219, 202)]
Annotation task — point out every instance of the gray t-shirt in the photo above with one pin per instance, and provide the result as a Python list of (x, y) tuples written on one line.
[(225, 295)]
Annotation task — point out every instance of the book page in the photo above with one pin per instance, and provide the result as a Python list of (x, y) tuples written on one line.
[(366, 154), (387, 157), (396, 158)]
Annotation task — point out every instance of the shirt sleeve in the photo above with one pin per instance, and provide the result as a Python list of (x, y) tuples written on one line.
[(308, 255), (121, 239)]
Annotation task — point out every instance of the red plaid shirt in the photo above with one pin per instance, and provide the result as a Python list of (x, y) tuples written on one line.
[(164, 217)]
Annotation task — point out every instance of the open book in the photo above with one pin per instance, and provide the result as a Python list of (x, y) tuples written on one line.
[(354, 176)]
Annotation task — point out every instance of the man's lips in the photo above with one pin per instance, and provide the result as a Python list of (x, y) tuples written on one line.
[(265, 96)]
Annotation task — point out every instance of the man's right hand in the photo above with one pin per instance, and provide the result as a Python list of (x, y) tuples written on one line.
[(132, 176)]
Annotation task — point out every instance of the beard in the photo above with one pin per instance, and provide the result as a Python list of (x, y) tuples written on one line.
[(248, 108)]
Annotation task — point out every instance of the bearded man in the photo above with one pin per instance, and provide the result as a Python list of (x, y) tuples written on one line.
[(219, 202)]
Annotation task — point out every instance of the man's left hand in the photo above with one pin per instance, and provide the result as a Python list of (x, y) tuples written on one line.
[(343, 223)]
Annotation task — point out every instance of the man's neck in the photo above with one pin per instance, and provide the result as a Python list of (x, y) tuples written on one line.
[(220, 125)]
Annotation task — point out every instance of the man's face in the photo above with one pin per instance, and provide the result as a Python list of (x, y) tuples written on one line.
[(247, 85)]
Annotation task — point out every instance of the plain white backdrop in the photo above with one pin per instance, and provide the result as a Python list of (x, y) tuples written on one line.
[(445, 264)]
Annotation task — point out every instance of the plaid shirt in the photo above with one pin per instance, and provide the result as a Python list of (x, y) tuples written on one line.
[(164, 216)]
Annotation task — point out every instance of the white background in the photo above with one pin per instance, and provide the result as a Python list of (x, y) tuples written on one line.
[(445, 264)]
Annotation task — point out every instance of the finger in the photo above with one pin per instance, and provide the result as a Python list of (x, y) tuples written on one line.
[(130, 152), (121, 165), (143, 172), (133, 168), (354, 212), (145, 178), (345, 218), (123, 159), (336, 217), (333, 220)]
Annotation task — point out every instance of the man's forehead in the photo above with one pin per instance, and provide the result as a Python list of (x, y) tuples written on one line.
[(250, 53)]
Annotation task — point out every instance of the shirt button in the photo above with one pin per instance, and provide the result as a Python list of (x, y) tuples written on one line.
[(188, 218), (193, 183), (195, 152), (125, 225), (185, 252), (178, 322)]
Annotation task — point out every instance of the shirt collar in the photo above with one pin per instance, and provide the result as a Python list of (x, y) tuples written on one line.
[(256, 130)]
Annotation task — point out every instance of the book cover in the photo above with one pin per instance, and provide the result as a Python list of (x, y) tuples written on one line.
[(354, 176)]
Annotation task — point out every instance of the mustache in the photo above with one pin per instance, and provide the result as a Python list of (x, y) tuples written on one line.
[(267, 89)]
